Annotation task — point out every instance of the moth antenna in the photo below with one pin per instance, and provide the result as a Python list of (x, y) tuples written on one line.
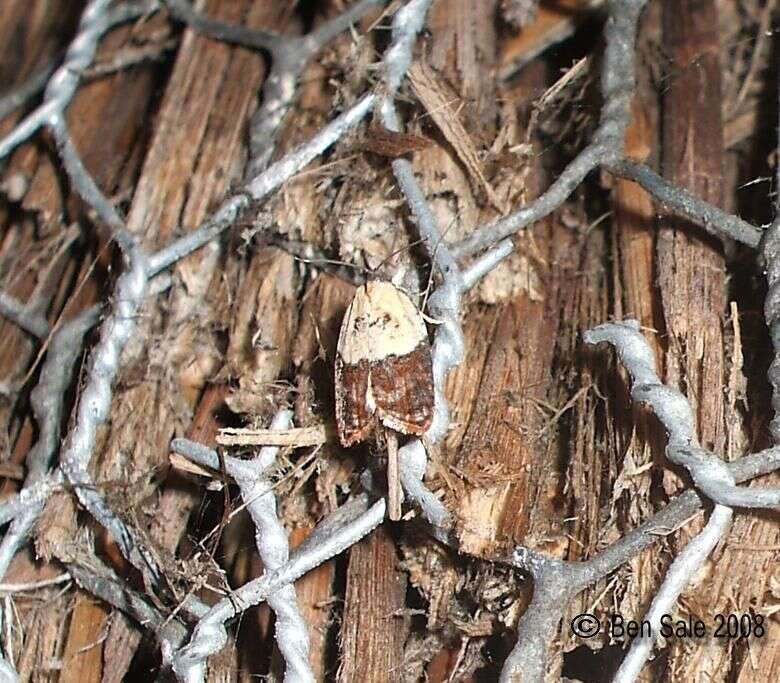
[(305, 253)]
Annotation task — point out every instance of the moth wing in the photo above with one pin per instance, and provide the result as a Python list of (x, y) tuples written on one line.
[(402, 387), (354, 420)]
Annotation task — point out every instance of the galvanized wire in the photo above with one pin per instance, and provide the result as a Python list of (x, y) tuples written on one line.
[(271, 540), (356, 519)]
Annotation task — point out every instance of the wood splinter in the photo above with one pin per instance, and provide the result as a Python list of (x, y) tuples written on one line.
[(384, 374)]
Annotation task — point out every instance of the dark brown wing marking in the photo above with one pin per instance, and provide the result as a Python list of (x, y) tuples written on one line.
[(353, 419), (403, 391)]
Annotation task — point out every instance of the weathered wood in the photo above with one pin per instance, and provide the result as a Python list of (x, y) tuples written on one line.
[(545, 450), (315, 598), (82, 661), (495, 468), (464, 49), (762, 659), (635, 230), (177, 501), (45, 26), (43, 643), (101, 130), (373, 629), (196, 150), (497, 458), (691, 268), (693, 288), (106, 119), (638, 438), (555, 21), (262, 330), (261, 340), (316, 602)]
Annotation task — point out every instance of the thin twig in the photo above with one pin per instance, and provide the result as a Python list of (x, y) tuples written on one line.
[(296, 437), (271, 540), (617, 87)]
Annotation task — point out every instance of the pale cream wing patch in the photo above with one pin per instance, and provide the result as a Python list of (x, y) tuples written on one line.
[(381, 321)]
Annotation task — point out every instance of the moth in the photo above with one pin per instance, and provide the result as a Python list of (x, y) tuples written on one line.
[(384, 374)]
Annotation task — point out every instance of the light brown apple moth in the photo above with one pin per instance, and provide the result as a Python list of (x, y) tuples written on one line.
[(384, 374)]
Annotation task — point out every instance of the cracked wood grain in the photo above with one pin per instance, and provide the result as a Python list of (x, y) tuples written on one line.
[(691, 273), (374, 627), (195, 151), (441, 105)]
